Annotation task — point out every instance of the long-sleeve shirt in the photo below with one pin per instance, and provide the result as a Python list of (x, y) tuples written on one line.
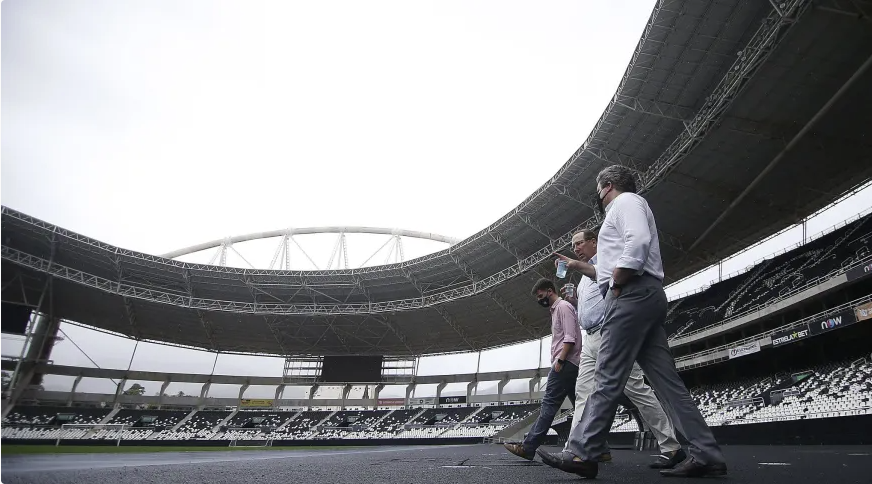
[(628, 239), (564, 329), (591, 305)]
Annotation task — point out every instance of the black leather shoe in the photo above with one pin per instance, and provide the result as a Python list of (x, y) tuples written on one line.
[(692, 468), (668, 460), (566, 462)]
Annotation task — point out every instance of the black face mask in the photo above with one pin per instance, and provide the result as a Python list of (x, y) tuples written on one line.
[(599, 203), (544, 302)]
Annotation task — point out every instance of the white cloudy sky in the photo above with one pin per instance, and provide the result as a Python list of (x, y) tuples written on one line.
[(158, 125)]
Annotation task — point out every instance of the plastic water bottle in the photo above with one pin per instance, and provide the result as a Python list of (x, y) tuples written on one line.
[(569, 290), (561, 269)]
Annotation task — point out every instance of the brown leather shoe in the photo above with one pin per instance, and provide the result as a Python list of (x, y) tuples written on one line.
[(517, 448), (692, 468), (607, 457), (566, 462)]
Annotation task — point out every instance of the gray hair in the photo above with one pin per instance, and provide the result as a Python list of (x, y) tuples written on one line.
[(620, 177)]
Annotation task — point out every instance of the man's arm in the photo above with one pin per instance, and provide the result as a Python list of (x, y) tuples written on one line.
[(571, 333), (585, 268), (632, 222)]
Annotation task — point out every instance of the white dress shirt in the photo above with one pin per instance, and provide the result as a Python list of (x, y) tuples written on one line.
[(628, 239), (591, 305)]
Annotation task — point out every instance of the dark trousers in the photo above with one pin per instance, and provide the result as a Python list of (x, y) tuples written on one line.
[(633, 331), (559, 386)]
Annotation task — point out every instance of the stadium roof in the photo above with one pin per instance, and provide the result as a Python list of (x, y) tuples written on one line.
[(740, 117)]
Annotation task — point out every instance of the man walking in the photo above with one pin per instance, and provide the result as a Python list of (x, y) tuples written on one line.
[(565, 351), (629, 274), (590, 318)]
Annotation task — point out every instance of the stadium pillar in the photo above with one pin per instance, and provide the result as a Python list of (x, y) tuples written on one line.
[(163, 390), (533, 382), (280, 390), (119, 389), (204, 392), (473, 384), (73, 390), (409, 389), (242, 389), (312, 390), (45, 334), (345, 391), (375, 394), (439, 389), (500, 387)]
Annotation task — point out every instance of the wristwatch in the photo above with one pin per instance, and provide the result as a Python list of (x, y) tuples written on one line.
[(562, 362)]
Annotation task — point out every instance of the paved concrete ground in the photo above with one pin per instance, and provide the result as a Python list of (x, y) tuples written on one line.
[(442, 465)]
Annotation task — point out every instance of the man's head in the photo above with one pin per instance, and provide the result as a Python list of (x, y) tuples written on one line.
[(611, 182), (584, 244), (545, 292)]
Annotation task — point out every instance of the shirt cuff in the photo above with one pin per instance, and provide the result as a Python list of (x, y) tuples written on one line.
[(569, 340), (626, 262)]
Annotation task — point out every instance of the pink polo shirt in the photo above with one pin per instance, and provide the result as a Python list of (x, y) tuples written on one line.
[(564, 329)]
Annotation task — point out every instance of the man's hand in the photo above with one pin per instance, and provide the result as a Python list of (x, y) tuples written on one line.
[(616, 291), (577, 265), (557, 366)]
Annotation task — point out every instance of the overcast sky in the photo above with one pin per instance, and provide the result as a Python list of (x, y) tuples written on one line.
[(158, 125)]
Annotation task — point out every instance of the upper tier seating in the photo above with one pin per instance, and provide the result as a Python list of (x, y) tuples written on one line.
[(772, 279)]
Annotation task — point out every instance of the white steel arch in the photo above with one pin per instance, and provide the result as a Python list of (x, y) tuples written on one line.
[(338, 258)]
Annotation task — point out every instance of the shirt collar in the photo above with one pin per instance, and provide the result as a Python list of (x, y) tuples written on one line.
[(552, 307), (593, 260), (609, 206)]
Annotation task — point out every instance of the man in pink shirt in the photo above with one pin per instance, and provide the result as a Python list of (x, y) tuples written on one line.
[(565, 358)]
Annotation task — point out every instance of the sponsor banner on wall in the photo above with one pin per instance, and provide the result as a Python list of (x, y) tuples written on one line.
[(860, 271), (422, 401), (745, 350), (255, 403), (836, 321), (863, 311), (790, 336), (452, 400), (391, 402)]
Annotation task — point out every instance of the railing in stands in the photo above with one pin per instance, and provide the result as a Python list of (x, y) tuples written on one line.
[(786, 327), (811, 283)]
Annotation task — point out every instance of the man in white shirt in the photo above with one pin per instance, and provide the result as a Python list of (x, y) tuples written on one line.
[(629, 275), (590, 319)]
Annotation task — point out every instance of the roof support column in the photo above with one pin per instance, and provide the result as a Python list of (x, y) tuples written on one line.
[(119, 389), (312, 390), (439, 389), (500, 387), (469, 387), (345, 391), (280, 390), (163, 389), (73, 390), (409, 389), (375, 394), (242, 389), (533, 382), (204, 392)]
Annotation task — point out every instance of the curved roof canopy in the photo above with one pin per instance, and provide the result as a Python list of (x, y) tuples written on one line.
[(739, 119)]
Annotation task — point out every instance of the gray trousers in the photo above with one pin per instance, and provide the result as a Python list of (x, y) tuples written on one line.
[(633, 332), (636, 390)]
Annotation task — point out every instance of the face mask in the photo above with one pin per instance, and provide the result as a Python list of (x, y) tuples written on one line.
[(599, 201), (544, 302)]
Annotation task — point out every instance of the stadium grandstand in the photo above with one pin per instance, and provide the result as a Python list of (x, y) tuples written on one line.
[(728, 113)]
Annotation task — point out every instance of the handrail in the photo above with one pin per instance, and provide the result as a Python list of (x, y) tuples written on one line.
[(811, 282), (771, 332)]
